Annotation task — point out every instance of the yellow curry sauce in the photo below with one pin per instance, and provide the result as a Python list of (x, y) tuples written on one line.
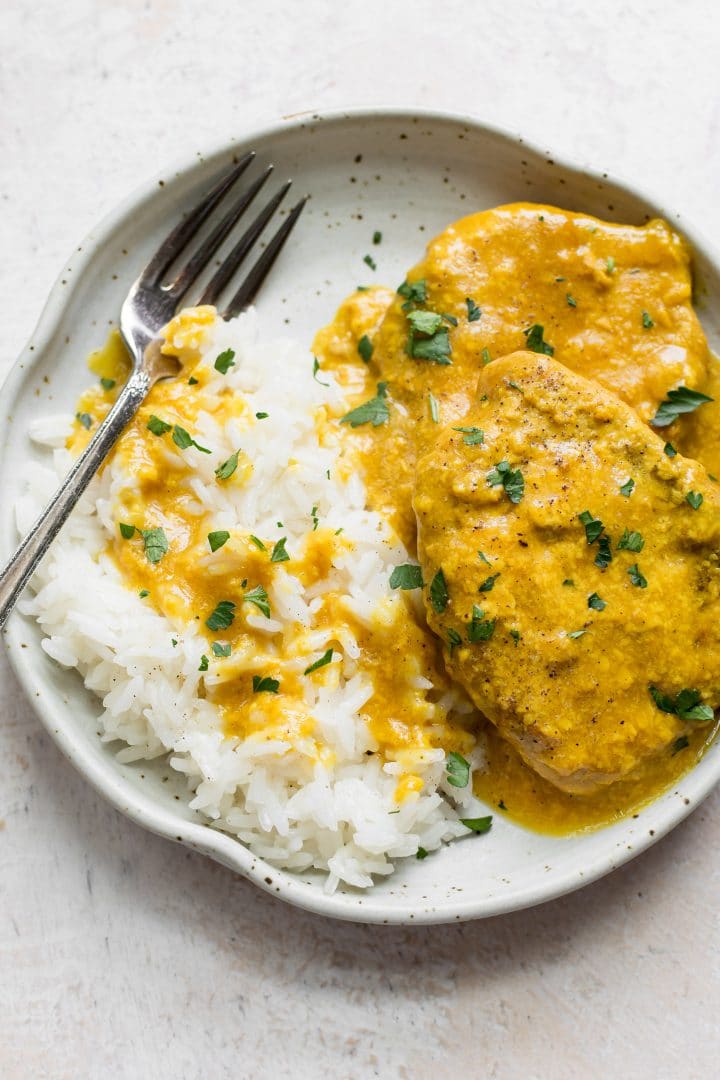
[(186, 584)]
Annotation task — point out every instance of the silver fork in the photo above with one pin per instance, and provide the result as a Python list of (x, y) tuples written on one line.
[(148, 307)]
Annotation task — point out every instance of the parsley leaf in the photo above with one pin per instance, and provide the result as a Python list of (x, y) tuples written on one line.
[(225, 361), (680, 744), (483, 558), (257, 542), (604, 554), (489, 582), (439, 595), (143, 593), (572, 302), (224, 471), (265, 685), (669, 450), (636, 577), (610, 265), (126, 531), (221, 650), (454, 640), (414, 292), (316, 368), (647, 321), (534, 340), (480, 628), (574, 634), (204, 663), (407, 576), (85, 419), (593, 526), (377, 237), (365, 348), (627, 488), (477, 825), (474, 311), (374, 411), (486, 357), (183, 439), (687, 704), (695, 499), (369, 261), (425, 322), (222, 617), (676, 403), (156, 544), (259, 598), (435, 349), (595, 602), (631, 541), (279, 554), (434, 409), (217, 539), (457, 769), (158, 426), (421, 853), (322, 662), (512, 481), (107, 384), (473, 435)]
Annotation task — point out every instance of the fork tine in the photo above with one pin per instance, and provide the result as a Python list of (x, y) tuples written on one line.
[(178, 238), (207, 249), (246, 293), (220, 279)]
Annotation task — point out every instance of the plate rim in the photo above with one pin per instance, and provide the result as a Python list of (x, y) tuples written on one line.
[(360, 906)]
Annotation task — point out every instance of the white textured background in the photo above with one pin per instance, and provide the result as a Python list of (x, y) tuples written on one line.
[(122, 955)]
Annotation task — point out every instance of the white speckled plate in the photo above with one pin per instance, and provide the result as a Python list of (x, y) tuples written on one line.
[(408, 176)]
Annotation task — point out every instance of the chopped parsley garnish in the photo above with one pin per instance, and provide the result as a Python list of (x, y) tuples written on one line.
[(631, 541), (636, 577), (425, 322), (477, 824), (279, 554), (265, 685), (569, 581), (314, 518), (572, 302), (596, 603), (369, 261), (316, 368), (156, 544), (143, 593), (259, 598), (480, 628), (687, 705), (222, 617), (192, 381), (485, 356), (407, 576), (439, 595), (107, 384), (512, 481), (680, 744), (204, 663), (126, 531), (669, 450), (257, 542), (322, 662), (217, 539), (514, 386), (414, 292), (575, 634), (449, 318), (610, 265), (224, 471), (377, 237), (488, 583), (221, 650), (627, 488), (604, 554), (457, 769), (158, 426), (365, 348), (515, 635), (85, 419), (225, 361), (473, 310), (261, 415), (647, 321), (454, 640), (435, 349), (473, 435), (534, 340), (593, 526), (483, 558), (695, 499), (434, 409), (421, 853), (675, 404), (374, 411), (183, 439)]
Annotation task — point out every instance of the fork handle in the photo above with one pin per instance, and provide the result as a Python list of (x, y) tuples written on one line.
[(19, 569)]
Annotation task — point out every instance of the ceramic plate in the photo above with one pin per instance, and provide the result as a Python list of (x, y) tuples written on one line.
[(408, 176)]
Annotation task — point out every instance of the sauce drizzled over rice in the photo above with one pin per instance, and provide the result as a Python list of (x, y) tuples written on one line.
[(225, 592)]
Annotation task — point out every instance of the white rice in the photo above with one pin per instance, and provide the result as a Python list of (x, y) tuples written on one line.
[(337, 813)]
